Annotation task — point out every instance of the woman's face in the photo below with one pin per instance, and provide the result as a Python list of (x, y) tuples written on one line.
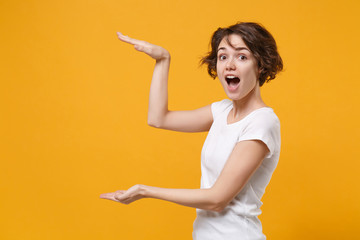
[(236, 67)]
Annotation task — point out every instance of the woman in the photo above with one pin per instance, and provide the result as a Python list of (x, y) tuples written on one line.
[(242, 148)]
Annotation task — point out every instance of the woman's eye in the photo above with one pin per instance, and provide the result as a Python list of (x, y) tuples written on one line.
[(222, 57), (242, 57)]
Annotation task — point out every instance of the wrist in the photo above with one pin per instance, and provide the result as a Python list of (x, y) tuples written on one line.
[(164, 59), (144, 191), (166, 55)]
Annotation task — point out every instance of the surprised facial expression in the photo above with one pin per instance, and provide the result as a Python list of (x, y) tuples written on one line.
[(236, 67)]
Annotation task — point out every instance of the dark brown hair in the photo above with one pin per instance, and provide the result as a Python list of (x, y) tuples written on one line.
[(260, 42)]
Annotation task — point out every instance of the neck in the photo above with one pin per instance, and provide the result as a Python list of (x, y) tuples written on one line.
[(248, 104)]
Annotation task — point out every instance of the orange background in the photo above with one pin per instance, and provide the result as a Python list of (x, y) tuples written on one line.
[(73, 106)]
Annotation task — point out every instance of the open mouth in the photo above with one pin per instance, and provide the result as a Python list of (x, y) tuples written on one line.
[(232, 81)]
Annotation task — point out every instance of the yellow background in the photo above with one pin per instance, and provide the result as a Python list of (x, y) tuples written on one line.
[(73, 106)]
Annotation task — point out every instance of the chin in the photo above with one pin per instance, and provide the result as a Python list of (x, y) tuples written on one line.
[(233, 97)]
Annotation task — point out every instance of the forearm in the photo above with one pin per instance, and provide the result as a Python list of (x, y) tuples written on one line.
[(158, 97), (196, 198)]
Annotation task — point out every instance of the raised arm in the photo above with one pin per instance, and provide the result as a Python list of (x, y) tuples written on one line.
[(159, 116)]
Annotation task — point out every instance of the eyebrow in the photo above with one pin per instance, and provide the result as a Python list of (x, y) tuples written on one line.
[(236, 49)]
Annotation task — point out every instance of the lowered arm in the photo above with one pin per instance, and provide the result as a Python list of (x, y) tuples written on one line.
[(242, 163)]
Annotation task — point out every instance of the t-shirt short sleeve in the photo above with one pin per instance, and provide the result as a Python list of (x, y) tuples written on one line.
[(263, 126), (218, 107)]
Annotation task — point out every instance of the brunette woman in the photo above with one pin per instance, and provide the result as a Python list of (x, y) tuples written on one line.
[(242, 148)]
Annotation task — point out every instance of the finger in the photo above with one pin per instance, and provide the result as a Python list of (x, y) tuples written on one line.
[(125, 200), (120, 191), (128, 39), (109, 196), (120, 195), (139, 48), (124, 38), (106, 195)]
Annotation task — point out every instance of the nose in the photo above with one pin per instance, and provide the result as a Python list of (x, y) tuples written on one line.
[(230, 64)]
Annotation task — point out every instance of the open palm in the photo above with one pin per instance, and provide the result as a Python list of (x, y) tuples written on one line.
[(152, 50)]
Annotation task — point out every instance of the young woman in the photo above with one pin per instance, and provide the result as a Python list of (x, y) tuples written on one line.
[(242, 148)]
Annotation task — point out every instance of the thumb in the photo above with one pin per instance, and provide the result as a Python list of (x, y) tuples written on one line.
[(119, 194)]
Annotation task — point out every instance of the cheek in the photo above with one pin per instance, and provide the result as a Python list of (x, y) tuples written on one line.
[(218, 70), (253, 71), (218, 65), (250, 77)]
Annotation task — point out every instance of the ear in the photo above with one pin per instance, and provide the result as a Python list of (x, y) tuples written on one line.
[(259, 71)]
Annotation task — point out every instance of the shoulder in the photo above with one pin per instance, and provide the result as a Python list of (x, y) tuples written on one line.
[(264, 118), (220, 106), (263, 125)]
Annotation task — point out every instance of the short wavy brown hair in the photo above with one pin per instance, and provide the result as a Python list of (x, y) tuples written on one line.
[(260, 42)]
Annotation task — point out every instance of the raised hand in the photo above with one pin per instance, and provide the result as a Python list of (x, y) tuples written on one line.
[(134, 193), (154, 51)]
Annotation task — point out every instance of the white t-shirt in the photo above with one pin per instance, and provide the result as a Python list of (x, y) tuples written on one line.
[(238, 221)]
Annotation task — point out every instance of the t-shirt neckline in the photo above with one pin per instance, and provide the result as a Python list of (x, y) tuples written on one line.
[(234, 123)]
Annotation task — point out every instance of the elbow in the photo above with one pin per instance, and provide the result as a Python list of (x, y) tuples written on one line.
[(218, 206), (157, 119), (155, 124), (219, 201)]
